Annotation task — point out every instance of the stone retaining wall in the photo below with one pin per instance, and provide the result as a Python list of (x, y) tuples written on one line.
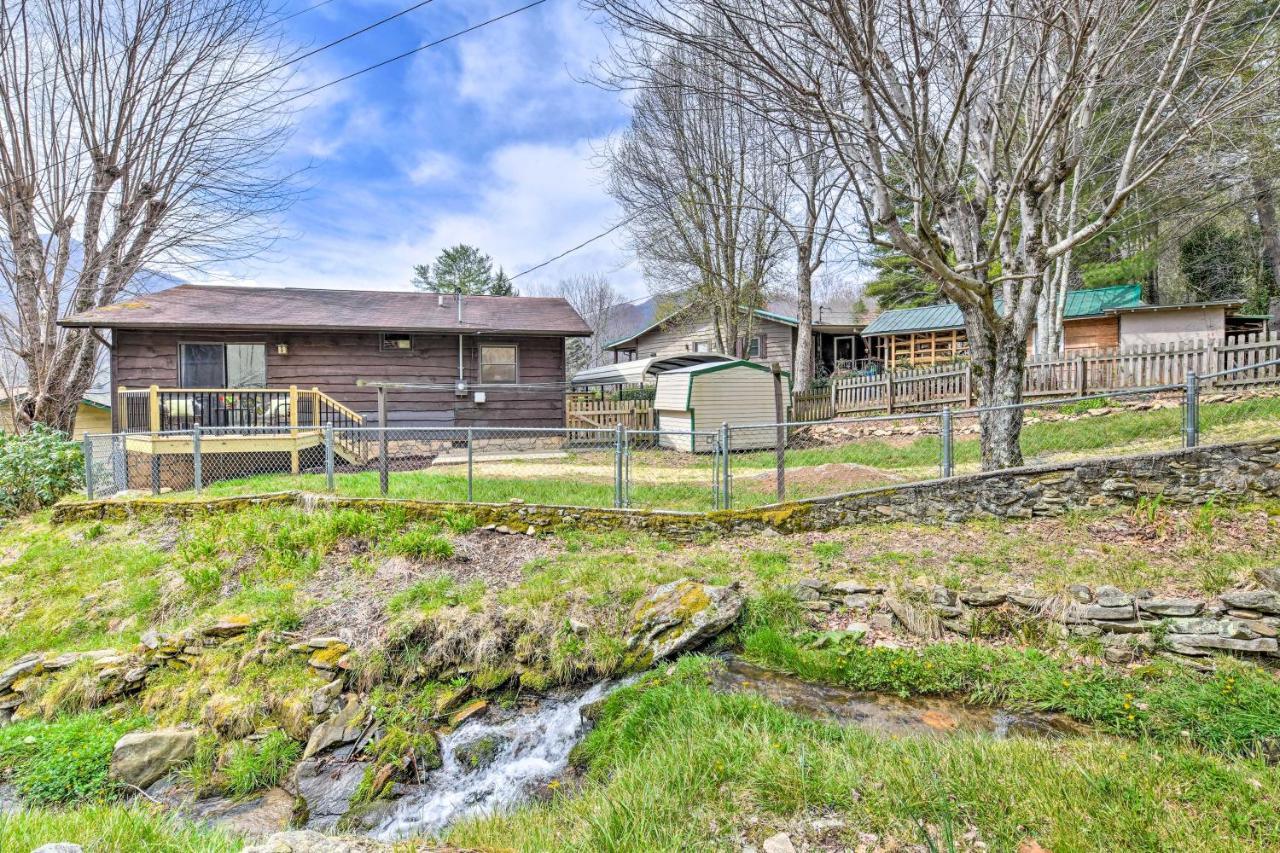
[(1128, 625), (1229, 472)]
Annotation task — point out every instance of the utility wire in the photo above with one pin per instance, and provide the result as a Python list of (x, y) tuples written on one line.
[(344, 78), (348, 37), (581, 245), (417, 49)]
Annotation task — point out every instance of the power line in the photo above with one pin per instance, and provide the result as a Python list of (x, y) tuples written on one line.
[(344, 78), (417, 49), (583, 244), (44, 72), (348, 36)]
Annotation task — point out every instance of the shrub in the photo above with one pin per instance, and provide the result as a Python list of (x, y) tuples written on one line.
[(36, 468)]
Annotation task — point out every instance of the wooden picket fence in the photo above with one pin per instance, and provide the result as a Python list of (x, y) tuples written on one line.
[(1078, 375), (585, 412)]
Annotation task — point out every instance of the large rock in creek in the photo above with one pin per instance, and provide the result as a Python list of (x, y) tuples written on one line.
[(140, 758), (680, 616)]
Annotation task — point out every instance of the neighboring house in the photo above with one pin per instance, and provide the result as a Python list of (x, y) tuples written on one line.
[(772, 338), (483, 361), (1101, 318), (93, 414)]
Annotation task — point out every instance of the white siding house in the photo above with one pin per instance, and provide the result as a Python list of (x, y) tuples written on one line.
[(692, 402)]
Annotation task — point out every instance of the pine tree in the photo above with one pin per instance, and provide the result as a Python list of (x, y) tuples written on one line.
[(462, 269)]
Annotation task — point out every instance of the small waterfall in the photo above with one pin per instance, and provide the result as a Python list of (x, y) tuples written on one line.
[(529, 748)]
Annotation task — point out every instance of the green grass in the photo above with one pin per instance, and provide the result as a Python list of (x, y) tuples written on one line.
[(430, 594), (108, 829), (548, 489), (673, 766), (1236, 710), (65, 760), (253, 766)]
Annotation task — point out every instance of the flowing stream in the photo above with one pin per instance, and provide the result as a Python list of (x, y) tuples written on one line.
[(493, 764), (520, 752)]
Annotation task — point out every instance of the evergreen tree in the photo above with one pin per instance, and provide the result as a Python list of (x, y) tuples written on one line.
[(1215, 262), (462, 269), (898, 282)]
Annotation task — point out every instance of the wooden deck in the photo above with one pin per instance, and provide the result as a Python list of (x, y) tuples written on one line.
[(271, 443), (162, 421)]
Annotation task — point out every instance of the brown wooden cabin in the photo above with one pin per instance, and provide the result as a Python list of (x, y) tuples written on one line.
[(265, 369)]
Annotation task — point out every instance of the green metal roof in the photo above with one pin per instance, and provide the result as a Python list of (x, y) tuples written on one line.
[(1080, 303)]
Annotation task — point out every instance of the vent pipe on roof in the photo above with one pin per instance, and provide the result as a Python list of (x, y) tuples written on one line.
[(458, 298), (439, 300)]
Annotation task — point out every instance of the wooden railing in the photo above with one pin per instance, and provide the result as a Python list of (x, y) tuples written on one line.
[(1089, 372), (226, 410)]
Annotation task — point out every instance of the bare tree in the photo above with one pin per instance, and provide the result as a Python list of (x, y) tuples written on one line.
[(815, 185), (697, 185), (134, 136), (963, 124), (594, 298)]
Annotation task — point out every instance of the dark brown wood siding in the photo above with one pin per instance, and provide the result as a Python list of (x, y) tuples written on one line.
[(333, 362)]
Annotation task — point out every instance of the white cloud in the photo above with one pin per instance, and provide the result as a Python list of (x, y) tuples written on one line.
[(434, 166), (530, 203)]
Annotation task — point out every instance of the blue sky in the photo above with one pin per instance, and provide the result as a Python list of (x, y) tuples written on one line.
[(491, 139)]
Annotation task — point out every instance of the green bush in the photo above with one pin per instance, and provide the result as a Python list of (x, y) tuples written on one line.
[(36, 468), (63, 761)]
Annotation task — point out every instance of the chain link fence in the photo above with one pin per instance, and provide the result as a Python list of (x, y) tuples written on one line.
[(730, 467)]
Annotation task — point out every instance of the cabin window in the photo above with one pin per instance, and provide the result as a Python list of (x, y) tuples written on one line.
[(497, 364), (222, 365), (701, 346), (755, 347), (391, 343)]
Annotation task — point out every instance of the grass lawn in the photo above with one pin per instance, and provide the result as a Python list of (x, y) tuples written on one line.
[(674, 766), (668, 480)]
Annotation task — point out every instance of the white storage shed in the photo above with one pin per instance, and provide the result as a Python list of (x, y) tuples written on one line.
[(692, 402)]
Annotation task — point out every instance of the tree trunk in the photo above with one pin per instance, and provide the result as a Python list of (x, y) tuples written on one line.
[(802, 370), (1265, 202), (998, 357)]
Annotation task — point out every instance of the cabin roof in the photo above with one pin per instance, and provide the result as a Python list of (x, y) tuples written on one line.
[(190, 306)]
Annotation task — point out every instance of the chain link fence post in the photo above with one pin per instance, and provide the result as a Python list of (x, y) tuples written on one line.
[(626, 467), (471, 459), (1191, 411), (617, 466), (727, 449), (197, 471), (87, 444), (119, 464), (328, 456), (948, 464)]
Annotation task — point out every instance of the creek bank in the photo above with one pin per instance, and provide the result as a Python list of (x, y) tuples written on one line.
[(883, 713), (1129, 625)]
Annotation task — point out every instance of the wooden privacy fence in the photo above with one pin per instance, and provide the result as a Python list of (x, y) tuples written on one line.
[(586, 412), (1089, 372)]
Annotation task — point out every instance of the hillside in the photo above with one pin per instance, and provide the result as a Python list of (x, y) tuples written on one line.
[(323, 668)]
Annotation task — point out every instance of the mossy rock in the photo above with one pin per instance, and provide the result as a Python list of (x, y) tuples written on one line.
[(479, 753), (679, 616)]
